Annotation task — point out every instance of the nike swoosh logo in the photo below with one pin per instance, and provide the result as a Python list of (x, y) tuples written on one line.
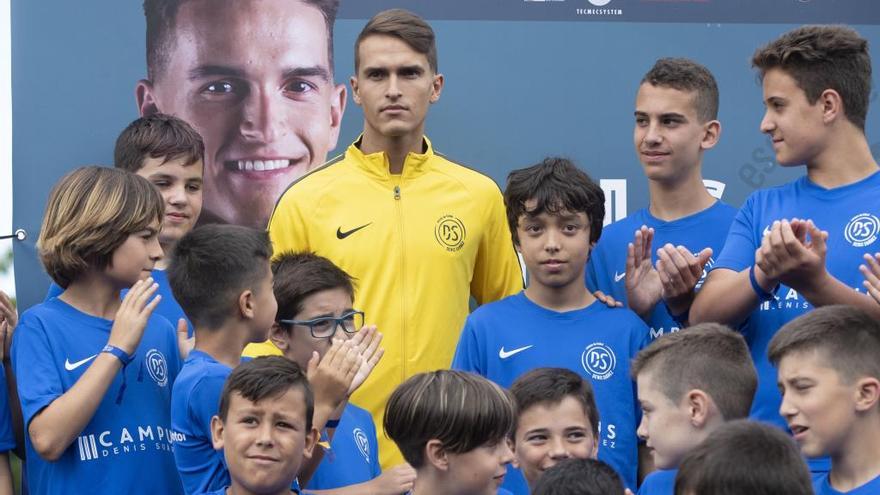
[(619, 276), (342, 235), (72, 366), (506, 354)]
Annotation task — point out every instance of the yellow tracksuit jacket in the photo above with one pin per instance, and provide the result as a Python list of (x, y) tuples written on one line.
[(418, 244)]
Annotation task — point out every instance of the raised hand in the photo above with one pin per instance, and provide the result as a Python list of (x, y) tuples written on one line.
[(185, 343), (793, 253), (679, 272), (871, 271), (643, 287), (331, 376), (132, 315), (366, 341)]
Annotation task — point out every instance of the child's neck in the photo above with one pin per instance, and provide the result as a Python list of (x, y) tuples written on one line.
[(672, 201), (225, 344), (236, 489), (859, 459), (846, 160), (430, 482), (567, 298), (93, 294)]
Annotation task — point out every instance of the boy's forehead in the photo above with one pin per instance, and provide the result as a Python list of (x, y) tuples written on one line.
[(550, 406), (290, 403), (532, 210), (660, 99)]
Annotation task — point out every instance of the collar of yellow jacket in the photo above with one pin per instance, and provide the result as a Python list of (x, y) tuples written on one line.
[(377, 163)]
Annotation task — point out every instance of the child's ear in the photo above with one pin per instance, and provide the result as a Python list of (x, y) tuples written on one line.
[(594, 454), (217, 432), (310, 441), (698, 406), (867, 393), (512, 446), (279, 336), (246, 304), (436, 455)]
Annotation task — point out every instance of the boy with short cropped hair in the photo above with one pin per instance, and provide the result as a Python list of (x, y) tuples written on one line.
[(169, 153), (744, 457), (264, 426), (452, 427), (555, 214), (315, 306), (676, 122), (829, 375), (556, 419), (798, 246), (580, 477), (689, 383), (220, 275)]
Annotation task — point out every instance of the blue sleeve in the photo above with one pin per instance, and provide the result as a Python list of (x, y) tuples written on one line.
[(739, 247), (204, 402), (39, 381), (467, 354), (175, 362), (7, 439)]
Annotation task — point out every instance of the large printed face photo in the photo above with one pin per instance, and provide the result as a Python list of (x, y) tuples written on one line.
[(255, 79)]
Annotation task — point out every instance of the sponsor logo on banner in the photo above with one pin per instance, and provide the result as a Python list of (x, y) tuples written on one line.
[(862, 230), (599, 361), (615, 199), (602, 10), (714, 187)]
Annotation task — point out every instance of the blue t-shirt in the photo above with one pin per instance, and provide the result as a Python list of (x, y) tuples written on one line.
[(7, 438), (126, 446), (504, 339), (167, 307), (353, 456), (822, 486), (195, 399), (660, 482), (607, 265), (850, 216)]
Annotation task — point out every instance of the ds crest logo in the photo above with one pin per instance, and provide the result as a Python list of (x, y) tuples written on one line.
[(862, 230), (599, 361), (157, 367), (363, 443), (450, 232)]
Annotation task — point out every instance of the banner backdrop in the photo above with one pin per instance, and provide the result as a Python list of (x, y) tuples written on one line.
[(524, 79)]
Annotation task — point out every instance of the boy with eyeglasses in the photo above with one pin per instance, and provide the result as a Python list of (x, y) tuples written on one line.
[(315, 312), (221, 276)]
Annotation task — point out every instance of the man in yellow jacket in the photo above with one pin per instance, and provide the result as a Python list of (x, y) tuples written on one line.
[(419, 233)]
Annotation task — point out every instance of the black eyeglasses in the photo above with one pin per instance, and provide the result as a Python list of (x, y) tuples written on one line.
[(325, 326)]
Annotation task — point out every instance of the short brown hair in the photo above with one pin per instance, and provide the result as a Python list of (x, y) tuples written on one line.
[(551, 386), (267, 377), (157, 136), (820, 58), (744, 457), (462, 410), (299, 275), (161, 17), (405, 26), (708, 357), (847, 338), (91, 211), (686, 75)]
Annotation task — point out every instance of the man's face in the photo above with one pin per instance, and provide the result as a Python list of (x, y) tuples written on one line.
[(668, 135), (547, 433), (795, 126), (817, 404), (395, 86), (554, 247), (665, 426), (264, 442), (253, 78), (181, 187), (296, 341)]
